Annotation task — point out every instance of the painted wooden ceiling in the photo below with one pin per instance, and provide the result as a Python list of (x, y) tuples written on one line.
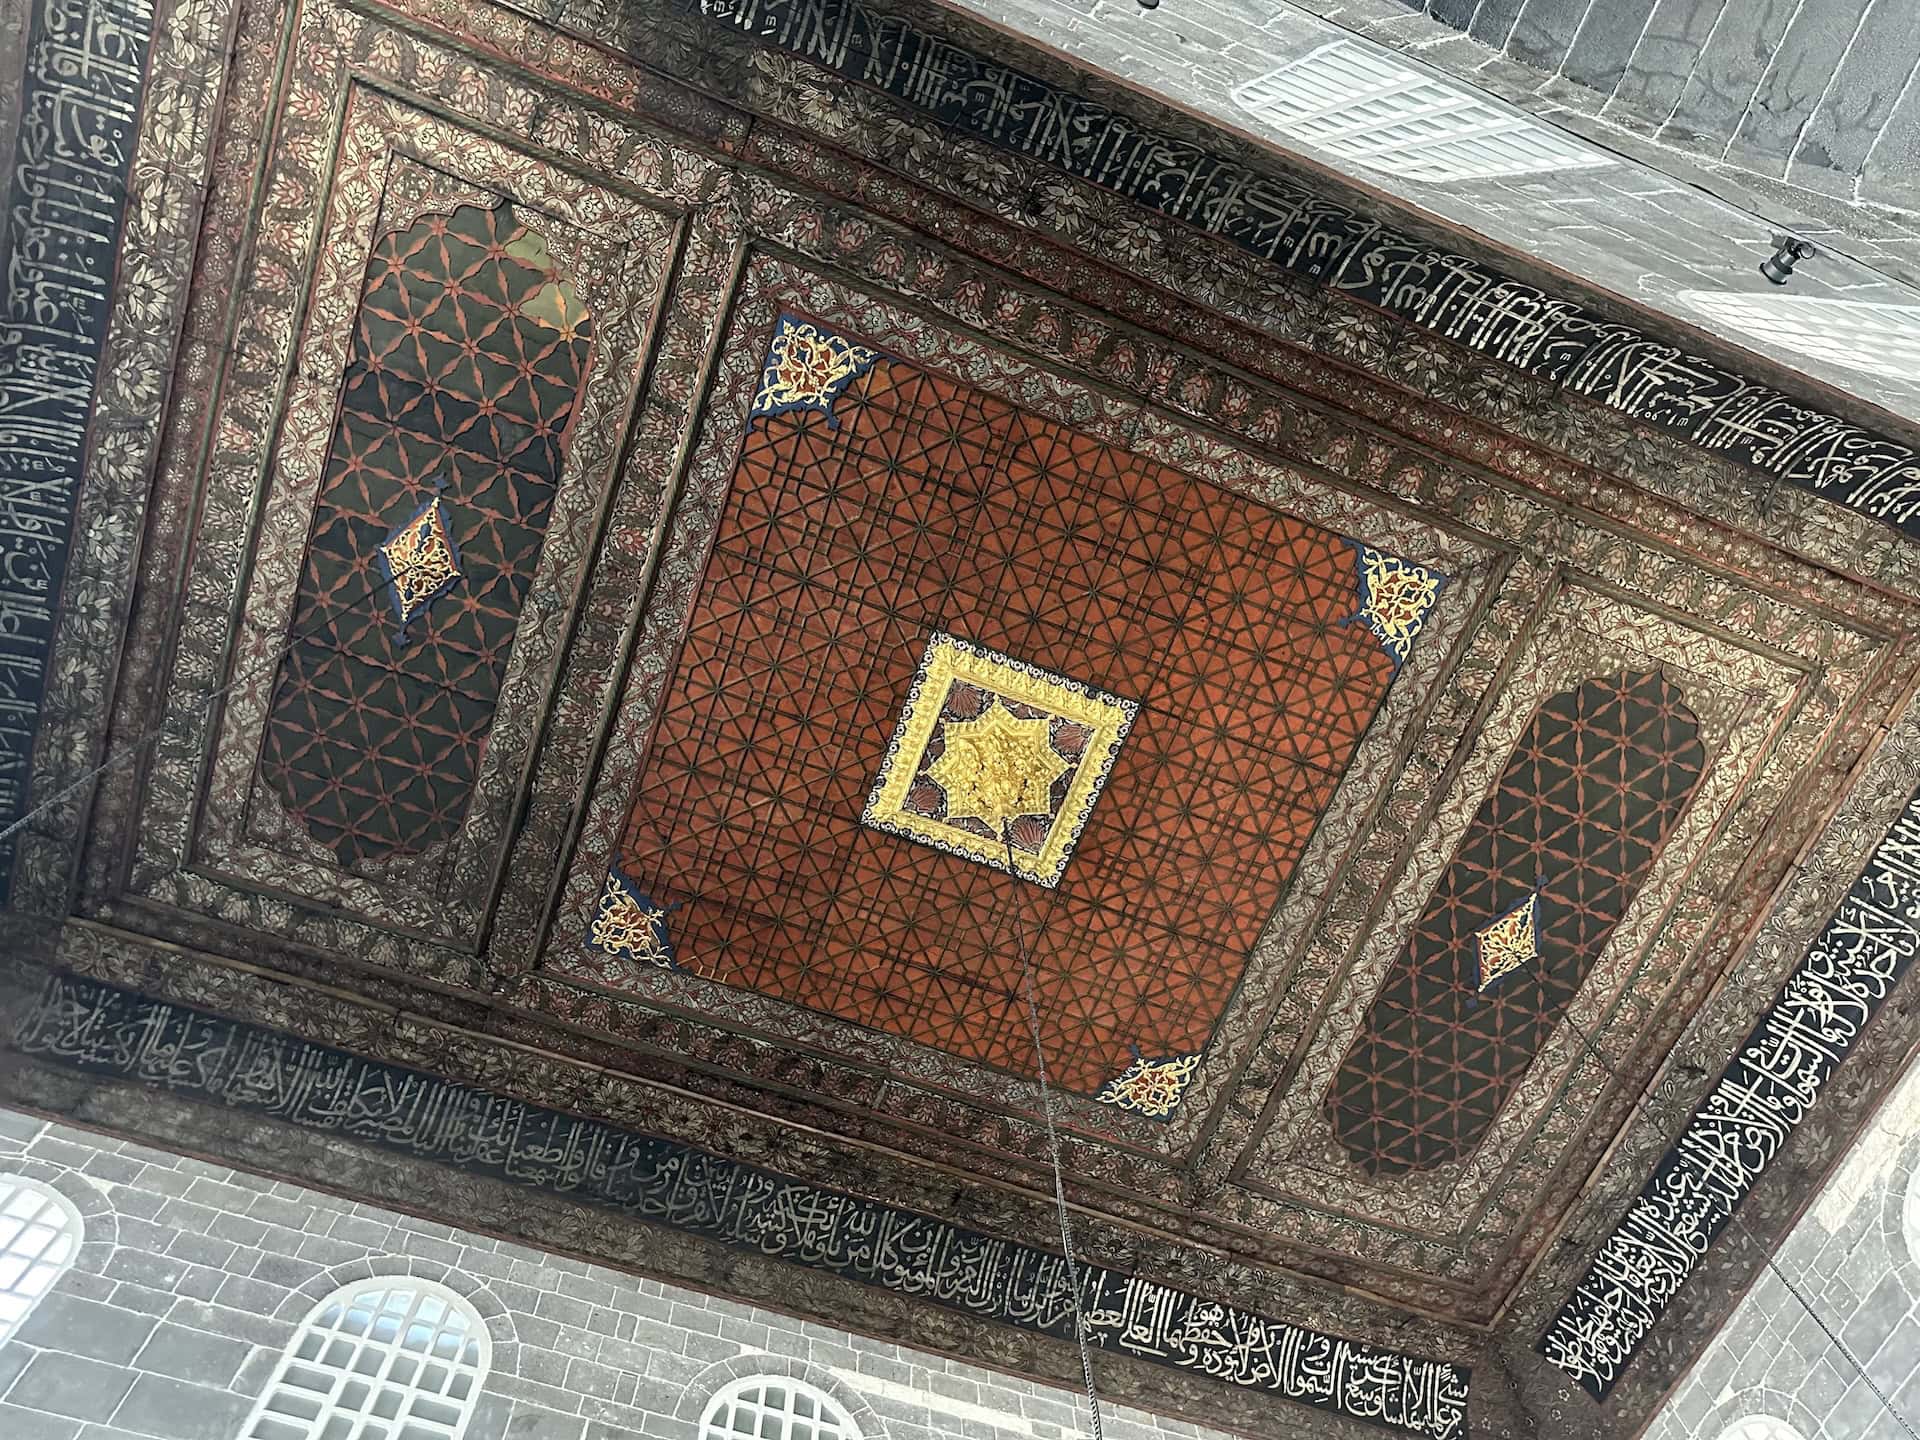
[(696, 629)]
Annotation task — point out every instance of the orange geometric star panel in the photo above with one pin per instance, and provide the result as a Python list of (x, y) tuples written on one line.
[(468, 357), (935, 628), (1542, 876)]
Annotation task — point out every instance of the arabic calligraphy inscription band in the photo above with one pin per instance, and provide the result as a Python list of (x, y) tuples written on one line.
[(1763, 1094), (103, 1029)]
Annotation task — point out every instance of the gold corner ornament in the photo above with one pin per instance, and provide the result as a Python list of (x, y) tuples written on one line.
[(1395, 597), (630, 926), (808, 367), (1151, 1087)]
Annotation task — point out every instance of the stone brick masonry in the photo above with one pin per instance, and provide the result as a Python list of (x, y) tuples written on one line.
[(193, 1278)]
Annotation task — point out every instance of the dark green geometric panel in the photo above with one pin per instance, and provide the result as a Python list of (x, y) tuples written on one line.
[(1587, 799), (468, 357)]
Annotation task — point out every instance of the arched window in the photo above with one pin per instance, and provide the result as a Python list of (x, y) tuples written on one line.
[(1761, 1427), (1369, 106), (773, 1407), (388, 1358), (1859, 334), (39, 1236)]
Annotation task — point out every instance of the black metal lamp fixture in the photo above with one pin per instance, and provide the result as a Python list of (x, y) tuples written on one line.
[(1791, 250)]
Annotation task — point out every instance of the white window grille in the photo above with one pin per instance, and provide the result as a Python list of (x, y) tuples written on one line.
[(1364, 105), (1761, 1427), (40, 1234), (768, 1407), (1860, 335), (381, 1359)]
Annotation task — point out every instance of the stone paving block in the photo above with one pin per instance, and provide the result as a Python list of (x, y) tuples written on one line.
[(278, 1210), (172, 1409), (193, 1355), (1856, 1413), (1809, 52), (525, 1424), (234, 1324), (257, 1297), (201, 1282), (1898, 1355), (1885, 1306), (357, 1230), (70, 1385), (114, 1169), (198, 1249), (1543, 31), (563, 1311), (1493, 21), (1744, 42), (14, 1356), (146, 1299), (58, 1148), (18, 1424), (63, 1321), (1891, 174), (23, 1128)]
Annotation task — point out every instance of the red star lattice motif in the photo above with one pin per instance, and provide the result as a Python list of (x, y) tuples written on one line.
[(931, 507), (468, 356), (1588, 797)]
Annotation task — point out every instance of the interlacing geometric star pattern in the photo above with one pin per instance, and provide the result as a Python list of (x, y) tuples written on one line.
[(1548, 865), (468, 357), (936, 508)]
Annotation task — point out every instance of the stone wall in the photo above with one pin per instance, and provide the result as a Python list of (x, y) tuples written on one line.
[(1656, 226), (192, 1279)]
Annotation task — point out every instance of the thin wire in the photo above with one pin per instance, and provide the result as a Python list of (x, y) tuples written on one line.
[(1736, 1214), (1053, 1134), (212, 698)]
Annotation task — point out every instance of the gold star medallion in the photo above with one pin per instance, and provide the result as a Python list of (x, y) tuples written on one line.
[(992, 754)]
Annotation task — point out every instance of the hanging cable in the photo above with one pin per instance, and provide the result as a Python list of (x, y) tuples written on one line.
[(133, 748), (1053, 1134), (1781, 1275)]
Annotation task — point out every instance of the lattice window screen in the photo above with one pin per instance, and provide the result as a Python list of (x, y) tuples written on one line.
[(764, 1407), (1879, 339), (40, 1233), (1363, 105), (382, 1359)]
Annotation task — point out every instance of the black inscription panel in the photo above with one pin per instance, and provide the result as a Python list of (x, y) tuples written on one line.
[(1765, 1092), (79, 107), (100, 1028)]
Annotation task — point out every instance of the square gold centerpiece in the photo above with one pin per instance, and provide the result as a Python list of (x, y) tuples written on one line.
[(994, 759)]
